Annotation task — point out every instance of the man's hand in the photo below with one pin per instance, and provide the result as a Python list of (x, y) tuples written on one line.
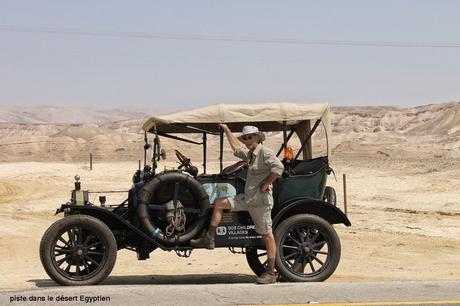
[(223, 126), (265, 187)]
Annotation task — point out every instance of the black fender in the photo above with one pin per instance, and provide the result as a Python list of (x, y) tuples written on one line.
[(328, 212), (145, 197), (111, 219)]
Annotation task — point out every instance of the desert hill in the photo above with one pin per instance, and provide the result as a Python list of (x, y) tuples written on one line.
[(433, 119), (61, 134), (69, 115)]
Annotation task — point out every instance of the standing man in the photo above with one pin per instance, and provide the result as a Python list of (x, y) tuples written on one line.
[(263, 169)]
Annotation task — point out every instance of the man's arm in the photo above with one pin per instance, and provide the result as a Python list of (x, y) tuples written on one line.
[(276, 169), (268, 181), (234, 142), (238, 150)]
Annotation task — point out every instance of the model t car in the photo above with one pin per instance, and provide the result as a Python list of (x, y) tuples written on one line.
[(166, 209)]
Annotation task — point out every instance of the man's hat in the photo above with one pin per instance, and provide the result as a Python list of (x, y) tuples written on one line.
[(249, 129)]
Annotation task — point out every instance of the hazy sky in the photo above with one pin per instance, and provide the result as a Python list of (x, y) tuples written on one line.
[(117, 69)]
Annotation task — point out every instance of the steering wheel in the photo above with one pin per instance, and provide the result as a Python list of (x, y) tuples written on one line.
[(183, 160)]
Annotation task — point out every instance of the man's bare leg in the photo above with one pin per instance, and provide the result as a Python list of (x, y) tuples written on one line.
[(218, 210), (270, 244), (269, 276), (207, 240)]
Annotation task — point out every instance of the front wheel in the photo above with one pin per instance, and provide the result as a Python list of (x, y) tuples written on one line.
[(308, 249), (78, 250)]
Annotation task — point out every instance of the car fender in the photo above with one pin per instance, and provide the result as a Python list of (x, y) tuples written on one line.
[(112, 220), (328, 212)]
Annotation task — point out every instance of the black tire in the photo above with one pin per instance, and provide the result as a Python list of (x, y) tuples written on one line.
[(257, 260), (80, 243), (330, 196), (313, 246), (158, 187)]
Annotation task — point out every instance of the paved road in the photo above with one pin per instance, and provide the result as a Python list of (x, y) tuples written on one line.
[(199, 293)]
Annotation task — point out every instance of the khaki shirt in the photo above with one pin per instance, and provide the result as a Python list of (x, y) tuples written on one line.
[(261, 162)]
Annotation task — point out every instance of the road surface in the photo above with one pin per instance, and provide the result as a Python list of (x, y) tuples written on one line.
[(193, 292)]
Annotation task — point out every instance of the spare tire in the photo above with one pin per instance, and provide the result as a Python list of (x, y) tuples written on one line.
[(158, 192)]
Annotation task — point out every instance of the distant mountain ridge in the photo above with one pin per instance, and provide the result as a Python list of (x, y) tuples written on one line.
[(432, 119), (69, 115), (61, 134)]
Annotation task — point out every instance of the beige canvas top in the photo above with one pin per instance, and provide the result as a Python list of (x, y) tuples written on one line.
[(267, 117)]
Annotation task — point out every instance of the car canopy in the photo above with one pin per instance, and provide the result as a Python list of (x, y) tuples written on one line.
[(266, 116)]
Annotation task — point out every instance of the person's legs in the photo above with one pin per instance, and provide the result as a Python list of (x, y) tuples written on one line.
[(270, 245), (261, 215), (207, 240), (218, 210)]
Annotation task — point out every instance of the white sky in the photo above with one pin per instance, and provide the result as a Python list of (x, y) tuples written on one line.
[(117, 69)]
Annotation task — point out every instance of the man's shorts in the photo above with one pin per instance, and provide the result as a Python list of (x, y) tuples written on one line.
[(261, 214)]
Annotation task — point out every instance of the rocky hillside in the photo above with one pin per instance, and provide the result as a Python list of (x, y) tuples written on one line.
[(57, 134), (433, 119), (69, 115)]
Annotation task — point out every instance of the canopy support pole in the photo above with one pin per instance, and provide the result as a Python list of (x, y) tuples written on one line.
[(178, 138), (283, 146), (284, 134), (221, 156), (204, 151), (307, 138)]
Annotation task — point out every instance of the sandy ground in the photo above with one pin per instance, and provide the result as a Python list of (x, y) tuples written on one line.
[(405, 216)]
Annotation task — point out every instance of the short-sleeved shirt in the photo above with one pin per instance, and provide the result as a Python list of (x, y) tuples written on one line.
[(261, 162)]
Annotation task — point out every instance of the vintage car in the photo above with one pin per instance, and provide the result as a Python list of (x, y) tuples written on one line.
[(166, 209)]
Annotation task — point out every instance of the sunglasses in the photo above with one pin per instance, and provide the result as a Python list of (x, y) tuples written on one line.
[(247, 137)]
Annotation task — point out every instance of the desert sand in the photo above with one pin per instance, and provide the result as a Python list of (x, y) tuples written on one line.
[(404, 225), (403, 176)]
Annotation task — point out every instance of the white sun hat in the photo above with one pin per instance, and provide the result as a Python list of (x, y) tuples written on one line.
[(249, 129)]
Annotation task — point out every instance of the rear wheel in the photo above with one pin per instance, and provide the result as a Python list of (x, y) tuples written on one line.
[(308, 249), (78, 250), (257, 260)]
